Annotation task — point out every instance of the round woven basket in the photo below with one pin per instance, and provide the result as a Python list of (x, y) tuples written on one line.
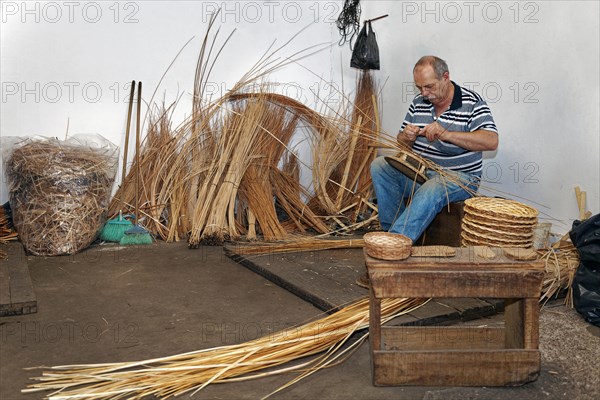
[(497, 222), (507, 234), (495, 208), (387, 246), (499, 241), (466, 242), (498, 225)]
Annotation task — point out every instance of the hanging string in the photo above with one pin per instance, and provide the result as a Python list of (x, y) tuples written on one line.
[(348, 21)]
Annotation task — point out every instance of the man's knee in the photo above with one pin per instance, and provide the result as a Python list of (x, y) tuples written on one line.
[(436, 192), (378, 165), (434, 187)]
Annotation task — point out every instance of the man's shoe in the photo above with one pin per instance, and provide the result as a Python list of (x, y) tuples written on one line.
[(363, 281)]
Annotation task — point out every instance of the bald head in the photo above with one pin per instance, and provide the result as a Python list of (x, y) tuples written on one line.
[(439, 66)]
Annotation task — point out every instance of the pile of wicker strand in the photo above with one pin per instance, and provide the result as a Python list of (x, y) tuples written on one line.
[(328, 338)]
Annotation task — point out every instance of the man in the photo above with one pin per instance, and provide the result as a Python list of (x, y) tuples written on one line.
[(447, 124)]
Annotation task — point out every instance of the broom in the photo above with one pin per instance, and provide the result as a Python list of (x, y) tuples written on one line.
[(115, 228), (137, 235)]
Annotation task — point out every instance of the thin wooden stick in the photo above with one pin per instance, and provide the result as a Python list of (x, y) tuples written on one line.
[(377, 18), (137, 153), (126, 147)]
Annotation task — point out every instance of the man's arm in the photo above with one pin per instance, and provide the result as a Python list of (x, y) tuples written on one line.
[(479, 140)]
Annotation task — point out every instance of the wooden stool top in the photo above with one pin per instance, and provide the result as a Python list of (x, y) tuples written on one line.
[(470, 257), (470, 273)]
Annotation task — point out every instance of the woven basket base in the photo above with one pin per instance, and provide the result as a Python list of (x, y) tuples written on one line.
[(521, 254), (467, 240), (471, 235), (501, 233), (468, 243), (502, 219), (501, 208), (409, 165), (497, 225)]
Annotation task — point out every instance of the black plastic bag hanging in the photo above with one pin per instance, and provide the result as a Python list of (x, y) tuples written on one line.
[(365, 54), (585, 236)]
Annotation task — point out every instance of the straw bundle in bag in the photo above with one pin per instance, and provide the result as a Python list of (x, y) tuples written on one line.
[(59, 191)]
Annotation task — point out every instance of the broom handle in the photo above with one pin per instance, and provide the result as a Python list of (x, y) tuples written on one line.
[(126, 150), (137, 153)]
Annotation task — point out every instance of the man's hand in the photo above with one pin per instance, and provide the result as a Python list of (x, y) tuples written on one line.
[(409, 134), (433, 132)]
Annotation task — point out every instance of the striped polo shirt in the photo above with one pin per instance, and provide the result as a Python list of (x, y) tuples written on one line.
[(467, 113)]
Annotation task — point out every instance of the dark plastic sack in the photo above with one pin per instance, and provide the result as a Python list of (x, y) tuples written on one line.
[(586, 293), (365, 54), (585, 236)]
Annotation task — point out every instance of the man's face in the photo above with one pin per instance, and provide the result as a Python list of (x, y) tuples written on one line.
[(433, 89)]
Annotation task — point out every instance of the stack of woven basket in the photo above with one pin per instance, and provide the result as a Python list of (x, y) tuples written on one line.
[(498, 222)]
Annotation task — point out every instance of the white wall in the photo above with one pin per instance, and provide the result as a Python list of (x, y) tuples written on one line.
[(537, 63)]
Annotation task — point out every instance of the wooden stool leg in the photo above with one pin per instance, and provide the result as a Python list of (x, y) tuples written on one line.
[(521, 318), (531, 318), (513, 324), (374, 322), (374, 330)]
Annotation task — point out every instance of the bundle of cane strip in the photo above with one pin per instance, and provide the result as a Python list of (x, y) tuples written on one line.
[(327, 338)]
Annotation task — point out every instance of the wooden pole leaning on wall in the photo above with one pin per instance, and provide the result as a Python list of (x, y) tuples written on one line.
[(581, 197)]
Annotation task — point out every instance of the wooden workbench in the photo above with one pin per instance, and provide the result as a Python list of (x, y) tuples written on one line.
[(457, 356)]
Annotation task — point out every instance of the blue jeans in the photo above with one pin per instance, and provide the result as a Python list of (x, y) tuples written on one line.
[(392, 188)]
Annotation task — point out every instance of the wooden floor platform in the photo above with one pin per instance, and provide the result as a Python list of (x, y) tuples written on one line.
[(326, 279), (16, 291)]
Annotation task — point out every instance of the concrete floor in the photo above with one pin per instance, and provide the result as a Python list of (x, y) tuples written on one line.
[(112, 304)]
